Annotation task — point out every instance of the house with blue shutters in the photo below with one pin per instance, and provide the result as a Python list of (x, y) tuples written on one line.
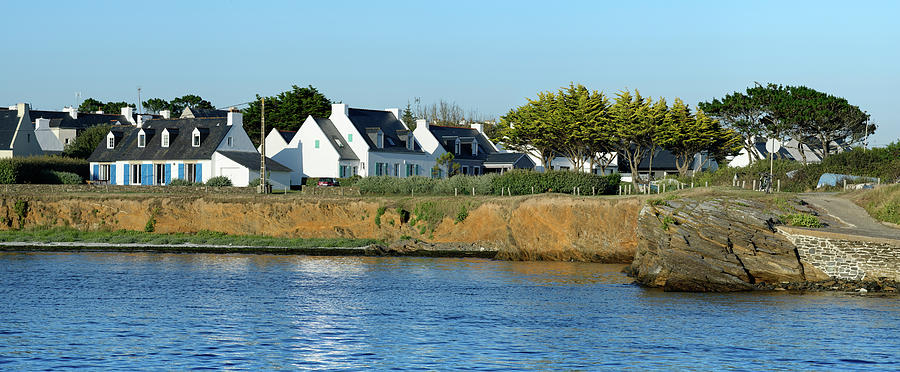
[(156, 151)]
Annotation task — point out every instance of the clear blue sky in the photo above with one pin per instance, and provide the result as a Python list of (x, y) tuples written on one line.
[(484, 55)]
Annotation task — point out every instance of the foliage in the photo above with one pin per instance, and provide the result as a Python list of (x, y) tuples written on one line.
[(33, 169), (52, 177), (408, 117), (882, 203), (312, 182), (94, 105), (446, 162), (178, 104), (219, 181), (349, 181), (378, 214), (462, 214), (21, 209), (183, 182), (86, 142), (801, 219), (286, 111), (255, 182), (522, 182)]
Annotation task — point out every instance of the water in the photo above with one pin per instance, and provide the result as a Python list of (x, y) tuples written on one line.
[(193, 311)]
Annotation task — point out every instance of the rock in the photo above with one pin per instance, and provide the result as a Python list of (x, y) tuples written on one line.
[(862, 290), (714, 246)]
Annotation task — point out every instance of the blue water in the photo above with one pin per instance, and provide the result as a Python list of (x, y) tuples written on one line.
[(193, 311)]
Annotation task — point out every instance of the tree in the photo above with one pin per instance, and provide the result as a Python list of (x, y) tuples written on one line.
[(685, 134), (287, 110), (115, 107), (739, 112), (446, 161), (177, 105), (155, 105), (408, 117), (528, 129), (85, 144), (91, 105), (632, 138)]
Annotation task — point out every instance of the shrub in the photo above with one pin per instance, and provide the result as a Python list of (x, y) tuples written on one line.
[(255, 182), (181, 182), (219, 181), (801, 220), (68, 178), (349, 181), (33, 169), (311, 181), (464, 184), (522, 181)]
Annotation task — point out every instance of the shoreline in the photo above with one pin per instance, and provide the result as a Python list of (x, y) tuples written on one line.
[(368, 250)]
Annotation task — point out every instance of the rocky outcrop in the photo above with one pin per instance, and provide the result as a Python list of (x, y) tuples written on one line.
[(714, 245)]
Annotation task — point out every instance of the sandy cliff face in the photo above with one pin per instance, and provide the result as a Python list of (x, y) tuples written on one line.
[(546, 227), (714, 245)]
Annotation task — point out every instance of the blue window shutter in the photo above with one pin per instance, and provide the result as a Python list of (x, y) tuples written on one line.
[(417, 169), (181, 171), (168, 173), (95, 175), (112, 174), (199, 173), (143, 174), (147, 173), (126, 169)]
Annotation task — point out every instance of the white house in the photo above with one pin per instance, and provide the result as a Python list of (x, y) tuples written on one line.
[(471, 149), (159, 150), (17, 137), (361, 142), (791, 150)]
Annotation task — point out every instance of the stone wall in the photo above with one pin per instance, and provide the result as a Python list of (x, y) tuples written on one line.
[(845, 256)]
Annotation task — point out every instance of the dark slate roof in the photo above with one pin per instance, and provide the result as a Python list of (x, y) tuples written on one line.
[(61, 119), (202, 113), (504, 157), (341, 146), (389, 124), (287, 135), (180, 148), (9, 119), (442, 133), (662, 161), (251, 161)]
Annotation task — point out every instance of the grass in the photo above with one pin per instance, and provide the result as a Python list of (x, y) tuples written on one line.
[(801, 220), (882, 203), (61, 234)]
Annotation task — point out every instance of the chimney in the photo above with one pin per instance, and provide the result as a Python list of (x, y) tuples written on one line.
[(142, 119), (41, 123), (479, 127), (235, 117), (166, 114), (21, 109), (73, 112), (422, 123), (394, 111), (340, 107), (128, 112)]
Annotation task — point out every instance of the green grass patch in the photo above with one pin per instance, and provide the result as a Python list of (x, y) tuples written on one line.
[(62, 234), (801, 220)]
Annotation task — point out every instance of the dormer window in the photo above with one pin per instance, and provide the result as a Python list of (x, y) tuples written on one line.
[(380, 143), (195, 138), (110, 141), (165, 139), (142, 139), (456, 147), (474, 148)]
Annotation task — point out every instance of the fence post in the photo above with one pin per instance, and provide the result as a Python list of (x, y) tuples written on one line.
[(754, 185), (845, 184), (501, 191), (744, 184), (455, 191), (779, 185), (473, 191), (706, 184), (532, 189), (509, 191)]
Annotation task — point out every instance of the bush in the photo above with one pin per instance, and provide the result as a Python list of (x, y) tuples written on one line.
[(68, 178), (522, 181), (310, 182), (34, 169), (219, 181), (255, 182), (801, 220), (349, 181), (181, 182)]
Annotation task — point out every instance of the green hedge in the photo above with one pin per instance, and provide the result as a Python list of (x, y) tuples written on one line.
[(219, 181), (519, 181), (37, 169)]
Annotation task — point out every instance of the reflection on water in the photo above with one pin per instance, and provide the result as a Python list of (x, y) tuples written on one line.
[(180, 311)]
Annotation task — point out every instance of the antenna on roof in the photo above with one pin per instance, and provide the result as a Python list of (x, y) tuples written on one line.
[(77, 99), (140, 106)]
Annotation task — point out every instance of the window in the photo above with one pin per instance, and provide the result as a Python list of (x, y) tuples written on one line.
[(142, 140), (165, 139), (342, 171), (380, 139), (160, 173), (230, 141), (104, 172), (196, 140), (409, 169), (67, 140), (456, 148), (476, 171), (135, 174), (190, 172), (465, 169), (396, 170), (349, 137), (317, 143), (111, 142), (28, 137), (355, 171), (474, 148)]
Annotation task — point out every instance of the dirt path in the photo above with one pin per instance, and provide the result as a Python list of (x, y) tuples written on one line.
[(852, 219)]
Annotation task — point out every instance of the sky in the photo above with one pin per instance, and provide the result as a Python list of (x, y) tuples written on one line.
[(486, 56)]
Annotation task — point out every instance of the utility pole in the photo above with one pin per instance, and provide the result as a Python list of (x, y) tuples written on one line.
[(263, 185), (140, 105)]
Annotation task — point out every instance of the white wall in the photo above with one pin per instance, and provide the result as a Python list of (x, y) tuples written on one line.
[(317, 162), (425, 163), (358, 144), (238, 174)]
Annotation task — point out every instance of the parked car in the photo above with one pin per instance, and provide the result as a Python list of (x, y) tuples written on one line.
[(326, 182)]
